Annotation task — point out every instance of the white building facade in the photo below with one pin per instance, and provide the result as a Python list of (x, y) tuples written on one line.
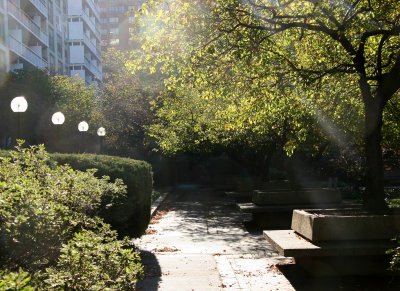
[(84, 39), (59, 36), (4, 56)]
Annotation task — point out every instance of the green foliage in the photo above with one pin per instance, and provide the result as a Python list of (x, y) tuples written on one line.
[(35, 86), (395, 262), (46, 95), (75, 99), (49, 226), (125, 106), (107, 263), (229, 87), (270, 69), (391, 126), (42, 206), (15, 281), (131, 215)]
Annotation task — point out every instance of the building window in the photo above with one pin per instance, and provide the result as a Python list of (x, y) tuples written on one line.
[(118, 9), (58, 23), (60, 69), (114, 30), (51, 39), (59, 46), (3, 62), (113, 19), (2, 30), (114, 41), (51, 15), (75, 68), (52, 64)]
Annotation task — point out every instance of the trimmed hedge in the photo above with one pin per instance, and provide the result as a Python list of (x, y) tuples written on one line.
[(131, 216)]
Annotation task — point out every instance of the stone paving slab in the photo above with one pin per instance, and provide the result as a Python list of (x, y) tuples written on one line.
[(200, 244), (252, 274), (184, 272)]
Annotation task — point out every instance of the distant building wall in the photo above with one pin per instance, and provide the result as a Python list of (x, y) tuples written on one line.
[(47, 34)]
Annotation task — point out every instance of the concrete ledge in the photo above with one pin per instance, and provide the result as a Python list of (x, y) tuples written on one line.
[(307, 196), (254, 208), (276, 216), (156, 204), (289, 244), (344, 224), (362, 257), (239, 196)]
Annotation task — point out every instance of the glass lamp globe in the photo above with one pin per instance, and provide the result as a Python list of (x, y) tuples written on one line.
[(58, 118), (83, 126), (19, 104), (101, 131)]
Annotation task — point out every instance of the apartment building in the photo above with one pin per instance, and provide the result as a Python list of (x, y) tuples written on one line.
[(116, 20), (84, 49), (4, 58), (59, 36)]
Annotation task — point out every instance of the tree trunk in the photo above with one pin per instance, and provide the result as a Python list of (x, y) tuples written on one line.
[(265, 168), (374, 199)]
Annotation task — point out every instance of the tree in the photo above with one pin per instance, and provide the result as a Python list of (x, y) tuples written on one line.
[(125, 105), (34, 85), (46, 95), (299, 43)]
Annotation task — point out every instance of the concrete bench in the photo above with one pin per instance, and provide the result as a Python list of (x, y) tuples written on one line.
[(351, 257), (247, 193), (239, 197), (273, 209), (278, 216)]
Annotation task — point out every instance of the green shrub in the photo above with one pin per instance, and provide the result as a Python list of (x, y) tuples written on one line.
[(15, 281), (132, 214), (96, 261), (395, 254), (49, 227), (42, 206)]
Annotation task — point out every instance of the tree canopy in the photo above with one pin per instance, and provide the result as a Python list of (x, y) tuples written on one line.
[(253, 64), (46, 95), (125, 105)]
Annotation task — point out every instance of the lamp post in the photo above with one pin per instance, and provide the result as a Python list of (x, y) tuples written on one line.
[(83, 126), (19, 105), (101, 132), (58, 119)]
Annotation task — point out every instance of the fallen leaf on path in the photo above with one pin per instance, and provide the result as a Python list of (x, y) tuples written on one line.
[(166, 250), (150, 231)]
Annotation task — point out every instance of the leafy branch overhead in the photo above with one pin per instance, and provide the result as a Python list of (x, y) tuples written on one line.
[(272, 68)]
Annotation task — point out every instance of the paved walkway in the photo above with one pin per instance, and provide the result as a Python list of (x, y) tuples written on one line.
[(199, 243)]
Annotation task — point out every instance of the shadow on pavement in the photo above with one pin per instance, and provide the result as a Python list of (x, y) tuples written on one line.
[(152, 272), (302, 281), (207, 217)]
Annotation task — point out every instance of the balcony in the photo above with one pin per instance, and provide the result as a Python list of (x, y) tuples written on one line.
[(94, 7), (91, 24), (91, 46), (95, 71), (19, 15), (26, 53), (41, 6)]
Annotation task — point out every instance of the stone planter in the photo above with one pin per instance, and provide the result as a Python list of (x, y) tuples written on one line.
[(338, 241), (297, 197), (345, 224)]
